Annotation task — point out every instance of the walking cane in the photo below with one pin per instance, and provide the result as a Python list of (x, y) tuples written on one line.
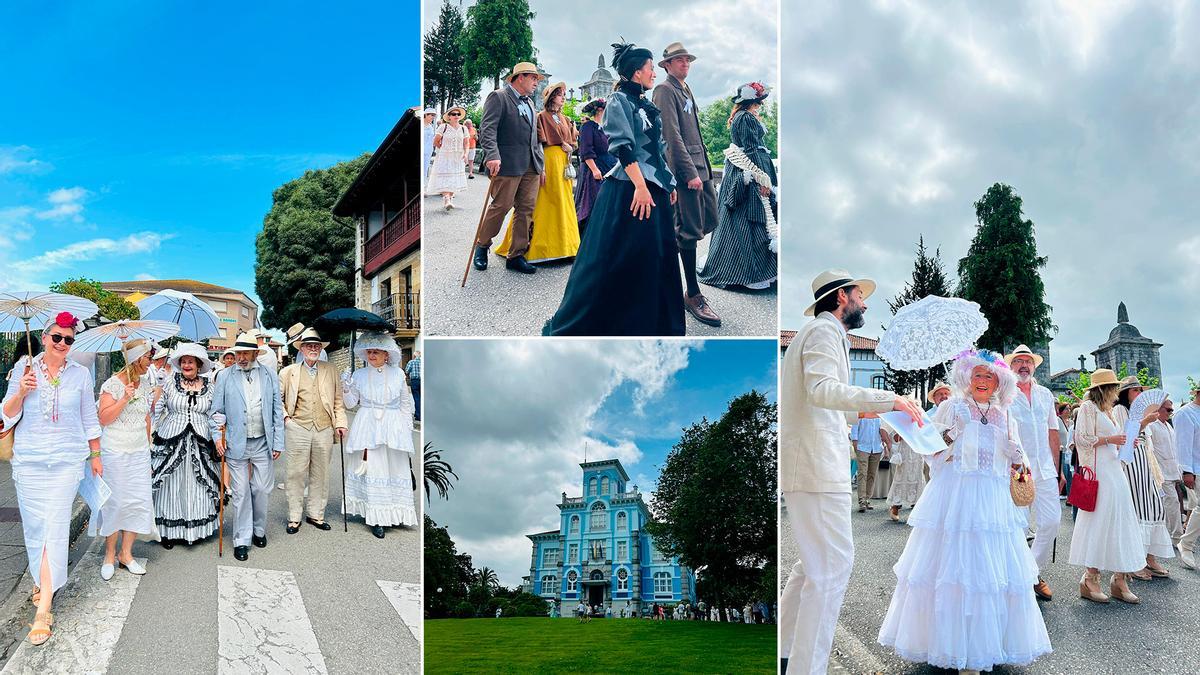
[(487, 201), (342, 455), (221, 503)]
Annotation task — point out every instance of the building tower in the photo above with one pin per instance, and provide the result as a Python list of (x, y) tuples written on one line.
[(1126, 345)]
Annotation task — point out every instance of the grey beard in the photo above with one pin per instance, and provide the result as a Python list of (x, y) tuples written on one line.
[(854, 319)]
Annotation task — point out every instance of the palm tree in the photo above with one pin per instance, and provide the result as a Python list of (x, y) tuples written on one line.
[(437, 473), (486, 578)]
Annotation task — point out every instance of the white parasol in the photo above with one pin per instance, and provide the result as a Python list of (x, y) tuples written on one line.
[(196, 319), (930, 332), (110, 337), (33, 310)]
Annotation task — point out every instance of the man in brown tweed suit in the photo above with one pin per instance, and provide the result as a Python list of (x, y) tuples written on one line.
[(696, 210)]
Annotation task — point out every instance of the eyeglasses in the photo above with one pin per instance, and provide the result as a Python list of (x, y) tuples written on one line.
[(62, 338)]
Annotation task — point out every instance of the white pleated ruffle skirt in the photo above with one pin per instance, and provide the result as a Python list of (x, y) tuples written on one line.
[(384, 494)]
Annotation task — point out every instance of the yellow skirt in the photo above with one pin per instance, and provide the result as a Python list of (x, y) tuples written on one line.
[(555, 231)]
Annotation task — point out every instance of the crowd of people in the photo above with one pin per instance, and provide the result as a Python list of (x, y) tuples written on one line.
[(175, 437), (974, 565), (631, 211), (755, 612)]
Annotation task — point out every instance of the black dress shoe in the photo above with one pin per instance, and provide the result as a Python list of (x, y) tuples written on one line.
[(293, 529), (241, 552), (260, 542), (520, 264), (481, 258), (167, 544), (377, 530), (320, 525)]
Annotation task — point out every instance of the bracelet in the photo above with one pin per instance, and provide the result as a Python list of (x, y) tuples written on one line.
[(93, 454)]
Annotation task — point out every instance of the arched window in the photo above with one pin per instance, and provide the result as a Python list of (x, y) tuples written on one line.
[(662, 582), (572, 580), (592, 487), (604, 485), (622, 522), (549, 584), (574, 525), (597, 575), (599, 521), (622, 580)]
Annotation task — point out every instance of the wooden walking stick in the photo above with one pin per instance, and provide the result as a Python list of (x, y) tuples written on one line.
[(487, 201), (221, 502)]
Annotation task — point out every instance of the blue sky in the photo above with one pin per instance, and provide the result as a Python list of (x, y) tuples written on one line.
[(144, 139), (513, 417)]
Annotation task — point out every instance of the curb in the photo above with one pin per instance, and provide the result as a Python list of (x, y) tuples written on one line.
[(16, 606)]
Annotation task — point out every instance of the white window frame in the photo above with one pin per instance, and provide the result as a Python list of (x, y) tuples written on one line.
[(573, 552), (573, 525), (623, 583), (622, 550), (550, 557), (598, 522), (549, 584), (622, 522), (662, 577), (572, 581)]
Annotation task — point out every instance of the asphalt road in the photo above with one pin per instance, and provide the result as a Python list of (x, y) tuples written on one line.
[(499, 302), (1157, 636), (312, 602)]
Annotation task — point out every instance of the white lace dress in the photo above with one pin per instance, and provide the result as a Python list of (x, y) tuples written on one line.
[(125, 455), (449, 172), (380, 488), (964, 593)]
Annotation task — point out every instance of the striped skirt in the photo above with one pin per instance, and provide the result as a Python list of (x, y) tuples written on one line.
[(186, 484), (45, 495), (1148, 504)]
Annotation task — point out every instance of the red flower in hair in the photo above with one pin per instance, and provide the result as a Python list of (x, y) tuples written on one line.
[(66, 320)]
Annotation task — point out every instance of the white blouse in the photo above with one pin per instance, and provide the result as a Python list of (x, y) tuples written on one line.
[(977, 446), (385, 409), (56, 422), (127, 434)]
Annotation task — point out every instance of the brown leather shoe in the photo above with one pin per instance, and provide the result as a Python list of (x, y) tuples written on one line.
[(894, 513), (1042, 589), (698, 306)]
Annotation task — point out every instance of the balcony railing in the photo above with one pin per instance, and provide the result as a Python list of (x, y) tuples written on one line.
[(402, 231), (402, 309)]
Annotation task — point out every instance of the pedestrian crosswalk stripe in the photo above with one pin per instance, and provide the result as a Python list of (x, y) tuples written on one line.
[(262, 624), (89, 614), (406, 598)]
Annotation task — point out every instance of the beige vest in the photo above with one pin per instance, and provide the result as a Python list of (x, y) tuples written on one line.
[(310, 412)]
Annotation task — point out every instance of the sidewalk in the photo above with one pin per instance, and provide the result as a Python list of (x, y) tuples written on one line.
[(15, 582)]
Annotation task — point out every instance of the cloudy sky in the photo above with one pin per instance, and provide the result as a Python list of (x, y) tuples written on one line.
[(513, 417), (136, 135), (734, 42), (898, 116)]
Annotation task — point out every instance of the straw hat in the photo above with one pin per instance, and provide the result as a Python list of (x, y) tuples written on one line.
[(308, 336), (1101, 377), (549, 91), (1130, 382), (446, 117), (1022, 350), (936, 387), (246, 342), (675, 49), (524, 68), (830, 281)]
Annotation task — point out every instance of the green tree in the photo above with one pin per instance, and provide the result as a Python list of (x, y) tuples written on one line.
[(928, 278), (714, 128), (448, 573), (112, 306), (304, 263), (715, 506), (445, 74), (437, 473), (1000, 272), (498, 34)]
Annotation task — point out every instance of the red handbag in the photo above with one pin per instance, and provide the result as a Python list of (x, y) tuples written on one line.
[(1083, 487)]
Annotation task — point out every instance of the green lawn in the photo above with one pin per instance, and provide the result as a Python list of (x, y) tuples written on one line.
[(542, 645)]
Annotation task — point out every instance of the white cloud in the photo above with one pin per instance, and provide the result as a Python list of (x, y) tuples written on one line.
[(15, 159), (65, 203), (145, 277), (91, 249)]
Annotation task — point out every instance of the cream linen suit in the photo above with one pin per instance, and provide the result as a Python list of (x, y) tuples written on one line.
[(818, 407), (310, 441)]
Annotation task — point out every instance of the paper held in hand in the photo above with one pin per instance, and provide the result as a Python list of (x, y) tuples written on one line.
[(94, 490), (924, 440)]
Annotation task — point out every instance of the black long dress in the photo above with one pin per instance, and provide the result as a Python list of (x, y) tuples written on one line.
[(739, 253), (626, 278)]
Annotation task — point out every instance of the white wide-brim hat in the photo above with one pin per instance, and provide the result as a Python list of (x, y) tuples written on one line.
[(190, 349), (379, 341), (830, 281)]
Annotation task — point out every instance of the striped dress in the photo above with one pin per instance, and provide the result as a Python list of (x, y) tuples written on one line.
[(185, 476), (1147, 494), (739, 253)]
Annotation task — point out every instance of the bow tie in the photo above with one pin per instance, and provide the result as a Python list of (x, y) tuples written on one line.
[(526, 99)]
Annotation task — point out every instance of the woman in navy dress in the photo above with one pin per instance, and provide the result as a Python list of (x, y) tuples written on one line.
[(626, 278), (595, 161)]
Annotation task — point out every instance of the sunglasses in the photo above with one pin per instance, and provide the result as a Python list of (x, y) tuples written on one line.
[(455, 114), (62, 338)]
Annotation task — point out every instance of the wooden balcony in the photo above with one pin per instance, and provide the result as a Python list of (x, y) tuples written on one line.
[(402, 309), (401, 234)]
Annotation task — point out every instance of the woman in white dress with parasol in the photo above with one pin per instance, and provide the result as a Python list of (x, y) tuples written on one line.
[(379, 447), (124, 413), (964, 594)]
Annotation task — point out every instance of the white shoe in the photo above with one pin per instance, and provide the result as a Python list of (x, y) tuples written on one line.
[(106, 571), (134, 567), (1188, 558)]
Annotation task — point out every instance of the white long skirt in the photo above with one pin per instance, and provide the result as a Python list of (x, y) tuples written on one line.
[(45, 495), (1109, 538), (131, 506), (384, 494)]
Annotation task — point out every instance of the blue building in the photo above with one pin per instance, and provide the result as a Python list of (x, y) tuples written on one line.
[(600, 553)]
